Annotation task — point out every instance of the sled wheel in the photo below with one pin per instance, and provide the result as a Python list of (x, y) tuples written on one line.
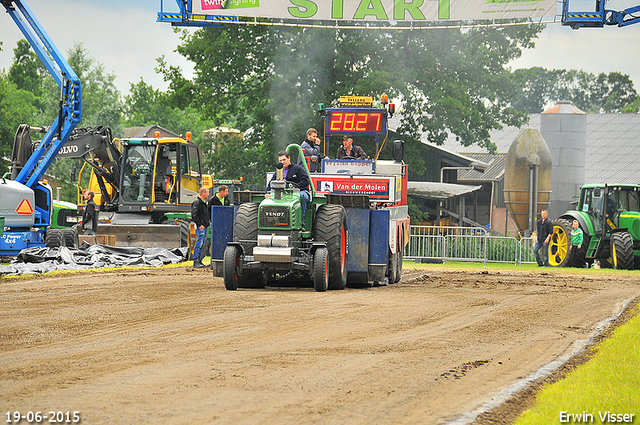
[(321, 270)]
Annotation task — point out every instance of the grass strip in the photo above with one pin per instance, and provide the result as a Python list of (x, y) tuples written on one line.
[(601, 391)]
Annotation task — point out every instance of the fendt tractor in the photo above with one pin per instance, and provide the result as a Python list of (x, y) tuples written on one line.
[(609, 216), (355, 226), (25, 197)]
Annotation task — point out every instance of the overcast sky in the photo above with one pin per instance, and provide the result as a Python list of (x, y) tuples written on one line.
[(124, 36)]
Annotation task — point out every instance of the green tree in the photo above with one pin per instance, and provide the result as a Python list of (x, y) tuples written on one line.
[(101, 105), (16, 107), (27, 71), (270, 79), (594, 94)]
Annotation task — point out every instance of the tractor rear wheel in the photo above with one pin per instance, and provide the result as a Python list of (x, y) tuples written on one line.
[(70, 238), (622, 251), (321, 270), (559, 243), (330, 227), (245, 228), (54, 238), (245, 231)]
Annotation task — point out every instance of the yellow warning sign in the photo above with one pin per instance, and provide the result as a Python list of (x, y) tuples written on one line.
[(365, 101), (25, 207)]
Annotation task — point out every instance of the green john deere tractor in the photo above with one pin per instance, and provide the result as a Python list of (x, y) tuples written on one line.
[(609, 216)]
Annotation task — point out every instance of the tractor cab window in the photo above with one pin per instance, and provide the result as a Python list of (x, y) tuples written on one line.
[(626, 199), (592, 204), (138, 173)]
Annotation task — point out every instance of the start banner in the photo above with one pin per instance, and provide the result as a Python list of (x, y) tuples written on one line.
[(379, 10)]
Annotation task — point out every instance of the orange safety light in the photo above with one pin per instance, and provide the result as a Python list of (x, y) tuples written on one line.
[(157, 134), (25, 207), (384, 99), (188, 135)]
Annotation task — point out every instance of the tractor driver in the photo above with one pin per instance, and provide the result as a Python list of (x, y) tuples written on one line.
[(295, 174)]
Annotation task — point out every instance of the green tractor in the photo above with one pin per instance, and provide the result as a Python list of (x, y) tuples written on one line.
[(272, 242), (609, 216)]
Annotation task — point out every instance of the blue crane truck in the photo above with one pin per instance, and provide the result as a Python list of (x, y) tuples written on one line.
[(25, 198)]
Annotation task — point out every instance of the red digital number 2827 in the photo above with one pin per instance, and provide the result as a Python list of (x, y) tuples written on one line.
[(355, 121)]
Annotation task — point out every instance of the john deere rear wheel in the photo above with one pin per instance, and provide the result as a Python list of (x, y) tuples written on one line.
[(559, 243), (622, 251)]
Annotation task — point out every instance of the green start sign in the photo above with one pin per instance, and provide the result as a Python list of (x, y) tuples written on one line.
[(379, 10)]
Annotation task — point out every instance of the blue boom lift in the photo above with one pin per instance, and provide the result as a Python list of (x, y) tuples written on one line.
[(26, 200), (599, 17)]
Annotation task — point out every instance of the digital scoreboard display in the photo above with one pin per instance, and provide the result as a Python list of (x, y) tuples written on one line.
[(354, 121)]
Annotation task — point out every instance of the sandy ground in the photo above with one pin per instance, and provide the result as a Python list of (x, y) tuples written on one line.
[(173, 346)]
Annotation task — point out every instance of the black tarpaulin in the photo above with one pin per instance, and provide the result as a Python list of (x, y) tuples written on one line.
[(43, 260)]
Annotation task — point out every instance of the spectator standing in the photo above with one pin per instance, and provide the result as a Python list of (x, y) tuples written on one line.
[(575, 249), (90, 214), (545, 230), (200, 216)]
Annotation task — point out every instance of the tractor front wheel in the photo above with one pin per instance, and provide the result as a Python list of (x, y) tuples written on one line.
[(559, 243), (321, 269), (622, 251), (231, 263)]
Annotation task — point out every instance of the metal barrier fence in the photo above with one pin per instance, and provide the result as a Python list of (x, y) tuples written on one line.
[(442, 243)]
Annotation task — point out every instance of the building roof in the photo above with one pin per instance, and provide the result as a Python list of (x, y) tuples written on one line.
[(495, 169), (438, 191), (612, 147)]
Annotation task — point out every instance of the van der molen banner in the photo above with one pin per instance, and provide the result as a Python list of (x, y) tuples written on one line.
[(379, 10)]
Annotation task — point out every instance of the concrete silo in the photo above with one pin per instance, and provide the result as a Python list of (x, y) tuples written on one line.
[(564, 128)]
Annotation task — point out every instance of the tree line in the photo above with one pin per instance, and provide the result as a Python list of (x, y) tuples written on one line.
[(267, 82)]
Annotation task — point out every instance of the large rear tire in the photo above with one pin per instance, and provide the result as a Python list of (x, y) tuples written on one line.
[(54, 238), (245, 228), (622, 251), (559, 243), (321, 270), (70, 238), (330, 227)]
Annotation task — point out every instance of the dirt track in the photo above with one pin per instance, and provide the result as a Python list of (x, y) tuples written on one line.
[(173, 346)]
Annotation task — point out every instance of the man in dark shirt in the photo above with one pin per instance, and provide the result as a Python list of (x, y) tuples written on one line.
[(201, 217), (545, 230), (220, 198), (294, 174), (90, 214), (311, 148), (350, 150)]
